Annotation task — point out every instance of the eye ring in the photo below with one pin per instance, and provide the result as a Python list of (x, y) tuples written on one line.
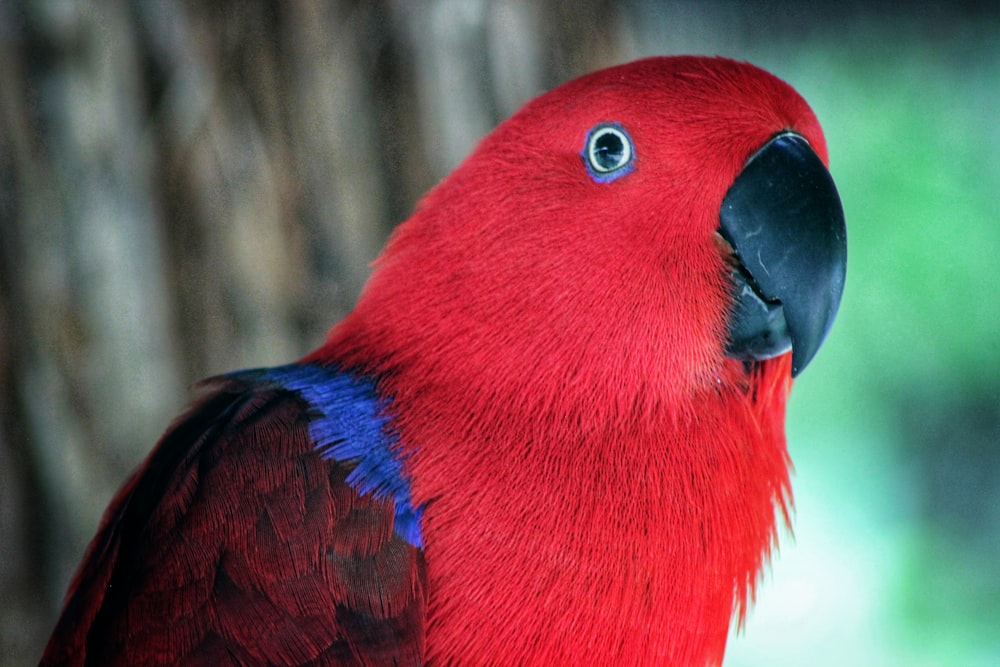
[(608, 152)]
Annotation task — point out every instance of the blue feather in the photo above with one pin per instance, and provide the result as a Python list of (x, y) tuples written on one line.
[(351, 424)]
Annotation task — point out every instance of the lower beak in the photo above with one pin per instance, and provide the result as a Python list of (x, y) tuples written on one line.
[(783, 218)]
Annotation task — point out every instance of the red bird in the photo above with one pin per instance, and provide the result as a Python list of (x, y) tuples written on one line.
[(550, 433)]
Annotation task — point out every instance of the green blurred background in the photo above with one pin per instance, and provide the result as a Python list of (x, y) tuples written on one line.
[(188, 188), (895, 432)]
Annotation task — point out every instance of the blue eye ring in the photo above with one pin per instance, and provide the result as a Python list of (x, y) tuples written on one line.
[(608, 152)]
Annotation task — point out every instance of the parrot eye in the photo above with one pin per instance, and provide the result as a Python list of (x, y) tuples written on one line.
[(608, 152)]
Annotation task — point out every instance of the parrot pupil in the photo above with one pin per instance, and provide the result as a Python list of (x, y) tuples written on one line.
[(608, 152)]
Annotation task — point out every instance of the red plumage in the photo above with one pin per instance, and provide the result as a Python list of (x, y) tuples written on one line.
[(598, 479), (235, 544)]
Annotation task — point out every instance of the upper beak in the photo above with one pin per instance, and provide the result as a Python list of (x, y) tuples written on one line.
[(783, 218)]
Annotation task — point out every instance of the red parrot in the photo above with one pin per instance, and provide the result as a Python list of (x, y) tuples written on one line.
[(551, 432)]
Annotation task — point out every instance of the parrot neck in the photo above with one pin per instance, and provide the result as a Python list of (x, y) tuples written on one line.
[(559, 532)]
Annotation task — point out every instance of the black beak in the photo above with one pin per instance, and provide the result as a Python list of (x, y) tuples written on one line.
[(783, 218)]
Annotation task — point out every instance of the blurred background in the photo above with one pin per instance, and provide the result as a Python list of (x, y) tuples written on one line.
[(188, 188)]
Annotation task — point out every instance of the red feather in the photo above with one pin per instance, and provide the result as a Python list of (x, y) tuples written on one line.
[(600, 480), (237, 544)]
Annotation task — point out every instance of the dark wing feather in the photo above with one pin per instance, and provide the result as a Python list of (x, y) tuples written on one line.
[(237, 543)]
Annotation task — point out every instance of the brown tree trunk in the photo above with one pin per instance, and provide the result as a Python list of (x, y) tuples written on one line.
[(188, 188)]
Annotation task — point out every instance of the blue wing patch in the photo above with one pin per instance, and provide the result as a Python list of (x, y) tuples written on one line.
[(351, 424)]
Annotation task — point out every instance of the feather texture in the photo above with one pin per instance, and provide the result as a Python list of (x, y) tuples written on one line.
[(599, 480), (237, 542), (541, 454)]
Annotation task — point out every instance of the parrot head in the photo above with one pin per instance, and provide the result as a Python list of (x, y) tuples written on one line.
[(646, 224)]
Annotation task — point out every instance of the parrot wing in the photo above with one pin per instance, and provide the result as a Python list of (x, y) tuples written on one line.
[(243, 540)]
